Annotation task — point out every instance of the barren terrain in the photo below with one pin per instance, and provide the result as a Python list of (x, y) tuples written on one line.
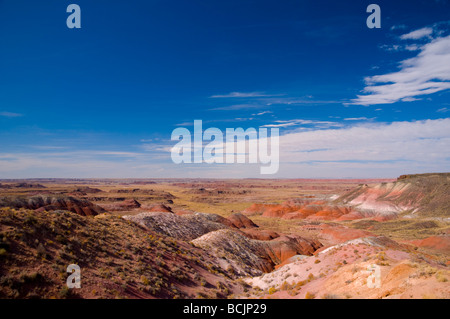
[(249, 238)]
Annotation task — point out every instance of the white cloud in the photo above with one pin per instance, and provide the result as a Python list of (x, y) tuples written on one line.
[(398, 27), (400, 47), (191, 123), (401, 146), (82, 163), (236, 107), (244, 95), (363, 150), (392, 47), (10, 114), (299, 101), (412, 47), (424, 74), (417, 34), (262, 113), (267, 101), (356, 118), (298, 122), (47, 147)]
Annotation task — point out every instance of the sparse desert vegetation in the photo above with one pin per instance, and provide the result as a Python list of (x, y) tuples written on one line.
[(308, 239)]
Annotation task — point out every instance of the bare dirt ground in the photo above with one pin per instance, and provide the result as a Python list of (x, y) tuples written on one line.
[(249, 238)]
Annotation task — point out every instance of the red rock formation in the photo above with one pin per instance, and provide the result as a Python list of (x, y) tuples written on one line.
[(88, 190), (279, 210), (331, 213), (251, 256), (47, 203), (259, 234), (315, 210), (337, 234), (181, 212), (22, 185), (130, 203), (286, 246), (125, 205), (256, 209), (158, 208), (441, 243), (241, 221)]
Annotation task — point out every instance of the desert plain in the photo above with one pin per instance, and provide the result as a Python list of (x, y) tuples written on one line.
[(230, 238)]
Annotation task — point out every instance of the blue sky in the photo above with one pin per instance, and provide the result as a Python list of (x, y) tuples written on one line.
[(102, 101)]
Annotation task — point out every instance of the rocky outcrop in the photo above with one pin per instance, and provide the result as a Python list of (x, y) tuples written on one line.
[(42, 202), (272, 210), (186, 227), (241, 249), (437, 243), (313, 210), (287, 246), (380, 198), (22, 185), (259, 234), (235, 252), (334, 235), (241, 221), (125, 205), (87, 190), (253, 257), (422, 195), (157, 208)]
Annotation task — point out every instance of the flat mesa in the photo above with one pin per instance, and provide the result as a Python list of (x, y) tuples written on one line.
[(200, 309)]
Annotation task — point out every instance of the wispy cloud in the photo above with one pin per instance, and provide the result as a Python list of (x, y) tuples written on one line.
[(361, 150), (299, 101), (424, 74), (80, 163), (47, 147), (363, 118), (190, 123), (398, 47), (10, 114), (259, 100), (235, 107), (244, 95), (226, 120), (443, 110), (299, 122), (389, 147), (262, 113), (418, 34), (398, 27)]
